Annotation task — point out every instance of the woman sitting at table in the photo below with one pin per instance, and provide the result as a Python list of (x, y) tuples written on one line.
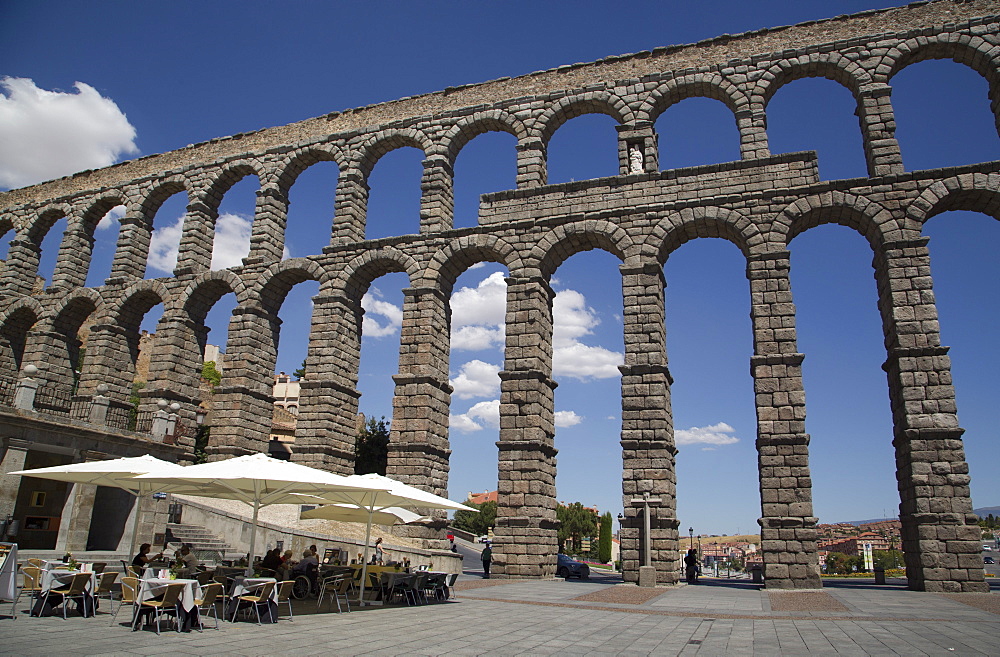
[(142, 559), (272, 560)]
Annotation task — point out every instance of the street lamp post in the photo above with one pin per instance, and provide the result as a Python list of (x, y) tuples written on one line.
[(647, 574)]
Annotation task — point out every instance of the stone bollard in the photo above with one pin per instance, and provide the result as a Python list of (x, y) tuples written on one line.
[(757, 573), (647, 576), (27, 387), (880, 575)]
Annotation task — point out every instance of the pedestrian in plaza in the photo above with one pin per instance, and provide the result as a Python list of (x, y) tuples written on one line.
[(487, 557), (691, 566)]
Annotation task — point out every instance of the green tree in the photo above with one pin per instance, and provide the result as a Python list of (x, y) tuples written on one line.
[(300, 373), (134, 400), (371, 448), (476, 523), (575, 522), (887, 559), (604, 546), (210, 373)]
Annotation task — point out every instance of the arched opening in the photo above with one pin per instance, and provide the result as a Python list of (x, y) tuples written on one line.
[(478, 309), (709, 343), (394, 196), (290, 365), (966, 285), (697, 131), (583, 148), (816, 114), (486, 164), (848, 416), (105, 245), (383, 306), (167, 226), (13, 337), (587, 348), (943, 116), (311, 210), (49, 255), (234, 223)]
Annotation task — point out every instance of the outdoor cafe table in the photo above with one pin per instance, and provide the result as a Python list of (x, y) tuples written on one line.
[(157, 586), (245, 585), (59, 578)]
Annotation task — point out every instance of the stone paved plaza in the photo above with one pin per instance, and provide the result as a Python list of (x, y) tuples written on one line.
[(547, 617)]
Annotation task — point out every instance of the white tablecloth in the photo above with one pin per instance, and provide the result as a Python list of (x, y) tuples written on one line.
[(244, 585), (60, 578), (150, 588), (53, 565)]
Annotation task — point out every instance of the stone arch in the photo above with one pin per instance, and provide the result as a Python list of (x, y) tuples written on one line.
[(68, 318), (700, 85), (46, 218), (160, 191), (556, 246), (457, 256), (973, 51), (97, 208), (273, 286), (134, 303), (362, 270), (225, 177), (198, 298), (592, 102), (15, 323), (385, 141), (979, 192), (875, 223), (301, 159), (470, 127), (831, 66), (676, 228)]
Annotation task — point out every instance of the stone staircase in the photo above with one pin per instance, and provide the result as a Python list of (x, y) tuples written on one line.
[(206, 546)]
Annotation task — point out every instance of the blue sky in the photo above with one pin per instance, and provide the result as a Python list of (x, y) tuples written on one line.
[(185, 72)]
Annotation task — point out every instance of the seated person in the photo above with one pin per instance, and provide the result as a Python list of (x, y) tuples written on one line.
[(189, 561), (143, 559), (272, 562), (309, 565)]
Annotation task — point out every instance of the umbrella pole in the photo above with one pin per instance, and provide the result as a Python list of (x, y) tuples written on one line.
[(364, 566), (253, 536), (133, 547)]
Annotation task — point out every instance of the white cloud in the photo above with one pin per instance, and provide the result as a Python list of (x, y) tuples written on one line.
[(232, 243), (391, 316), (567, 419), (232, 240), (476, 338), (476, 379), (583, 362), (716, 434), (111, 218), (163, 246), (477, 314), (485, 414), (48, 134), (572, 318)]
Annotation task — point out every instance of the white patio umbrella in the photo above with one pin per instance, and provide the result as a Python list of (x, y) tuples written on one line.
[(392, 515), (258, 480), (385, 493), (115, 473)]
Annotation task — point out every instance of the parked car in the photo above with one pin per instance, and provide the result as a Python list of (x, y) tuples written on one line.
[(483, 539), (989, 560), (567, 567)]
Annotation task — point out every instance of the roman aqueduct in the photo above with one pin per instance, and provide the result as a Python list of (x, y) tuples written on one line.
[(758, 203)]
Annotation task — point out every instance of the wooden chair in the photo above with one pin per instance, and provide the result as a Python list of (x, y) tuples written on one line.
[(130, 589), (99, 566), (37, 563), (263, 597), (285, 595), (104, 587), (77, 589), (169, 600), (204, 577), (209, 593)]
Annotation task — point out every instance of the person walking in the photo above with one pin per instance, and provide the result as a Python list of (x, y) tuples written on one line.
[(487, 557), (691, 566)]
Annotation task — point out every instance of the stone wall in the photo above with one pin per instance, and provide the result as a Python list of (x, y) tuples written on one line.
[(641, 216)]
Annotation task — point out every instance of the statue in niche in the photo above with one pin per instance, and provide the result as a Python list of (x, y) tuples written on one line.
[(634, 159)]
